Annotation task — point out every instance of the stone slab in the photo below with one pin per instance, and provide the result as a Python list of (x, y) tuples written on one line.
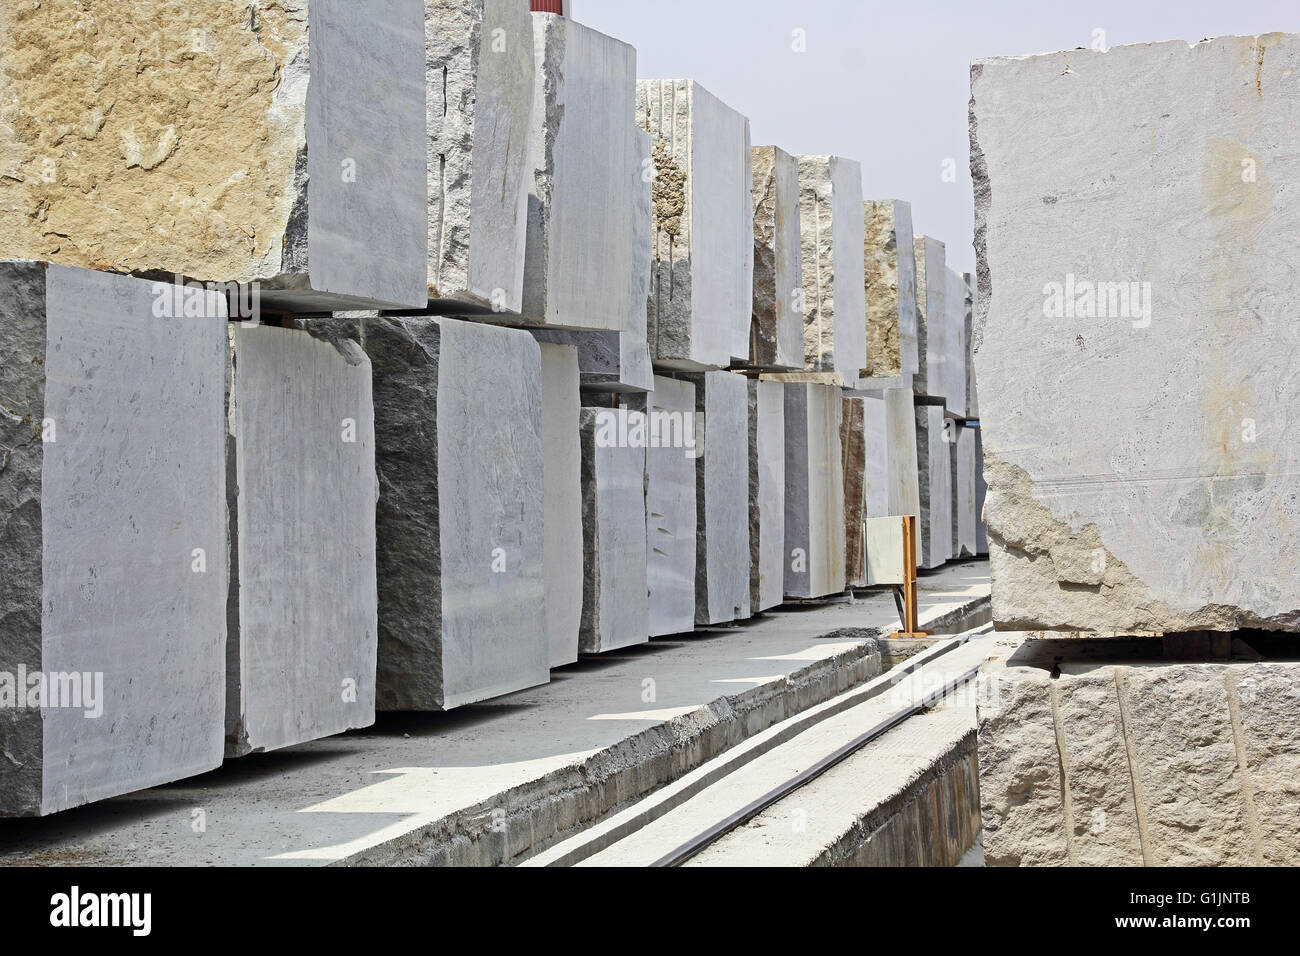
[(972, 299), (282, 148), (981, 492), (586, 188), (962, 457), (303, 612), (853, 448), (701, 289), (831, 229), (814, 491), (956, 347), (931, 313), (671, 506), (1180, 513), (460, 522), (1160, 764), (878, 457), (562, 500), (480, 67), (766, 494), (620, 361), (615, 611), (904, 487), (934, 471), (776, 325), (890, 289), (113, 538), (722, 558)]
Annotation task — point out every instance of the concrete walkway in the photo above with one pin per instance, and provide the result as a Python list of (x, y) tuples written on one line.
[(375, 795)]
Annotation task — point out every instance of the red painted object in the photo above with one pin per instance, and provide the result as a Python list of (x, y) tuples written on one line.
[(548, 6)]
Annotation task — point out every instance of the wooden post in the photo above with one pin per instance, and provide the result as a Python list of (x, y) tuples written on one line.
[(910, 611)]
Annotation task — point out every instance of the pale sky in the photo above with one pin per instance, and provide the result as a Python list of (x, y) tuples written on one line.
[(887, 83)]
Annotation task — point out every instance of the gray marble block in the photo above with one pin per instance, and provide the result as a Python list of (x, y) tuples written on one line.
[(956, 346), (962, 458), (671, 518), (480, 65), (460, 521), (931, 313), (934, 471), (981, 492), (1137, 342), (814, 491), (701, 291), (904, 489), (833, 255), (722, 560), (585, 197), (620, 361), (890, 288), (879, 458), (113, 537), (766, 494), (562, 501), (615, 610), (853, 445), (776, 325), (302, 615)]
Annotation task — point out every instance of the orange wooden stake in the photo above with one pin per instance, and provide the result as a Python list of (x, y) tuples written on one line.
[(910, 624)]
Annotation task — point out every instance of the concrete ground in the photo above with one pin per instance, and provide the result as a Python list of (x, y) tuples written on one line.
[(370, 795)]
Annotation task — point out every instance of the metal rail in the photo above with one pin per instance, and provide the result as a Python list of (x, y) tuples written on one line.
[(738, 819)]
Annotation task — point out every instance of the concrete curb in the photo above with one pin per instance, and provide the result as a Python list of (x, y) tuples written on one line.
[(526, 819)]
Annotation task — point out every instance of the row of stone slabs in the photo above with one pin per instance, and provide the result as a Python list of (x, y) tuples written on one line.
[(191, 509), (482, 160)]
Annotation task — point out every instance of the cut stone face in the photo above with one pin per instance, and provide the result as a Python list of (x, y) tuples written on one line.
[(300, 661), (814, 491), (1164, 765), (890, 289), (1180, 512), (615, 612), (878, 465), (670, 504), (113, 538), (460, 521), (479, 59), (962, 455), (956, 351), (981, 492), (834, 280), (934, 528), (931, 313), (581, 266), (972, 398), (282, 146), (853, 444), (701, 288), (904, 489), (620, 361), (766, 494), (776, 326), (722, 499), (562, 501)]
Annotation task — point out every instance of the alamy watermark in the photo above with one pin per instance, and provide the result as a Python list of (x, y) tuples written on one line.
[(38, 690), (1084, 299), (195, 300), (628, 428)]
